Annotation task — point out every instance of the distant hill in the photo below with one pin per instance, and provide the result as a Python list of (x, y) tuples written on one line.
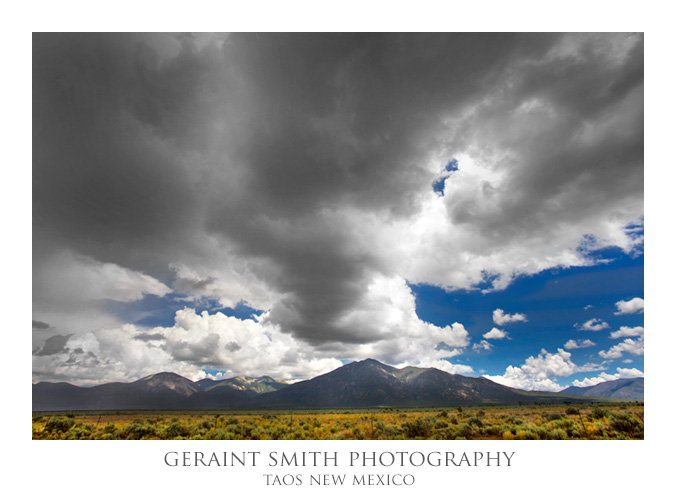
[(232, 392), (158, 391), (367, 383), (626, 388)]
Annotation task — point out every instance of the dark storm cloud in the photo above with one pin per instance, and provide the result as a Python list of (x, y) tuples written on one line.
[(54, 345), (101, 178), (39, 325), (583, 152), (144, 145)]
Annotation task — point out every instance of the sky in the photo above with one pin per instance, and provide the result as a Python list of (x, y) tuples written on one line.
[(281, 204)]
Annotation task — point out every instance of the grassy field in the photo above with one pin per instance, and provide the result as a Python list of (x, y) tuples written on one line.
[(528, 422)]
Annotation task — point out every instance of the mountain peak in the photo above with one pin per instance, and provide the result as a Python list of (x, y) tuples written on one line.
[(168, 381), (164, 375)]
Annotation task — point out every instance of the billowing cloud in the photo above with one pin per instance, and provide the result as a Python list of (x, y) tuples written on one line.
[(622, 373), (537, 372), (501, 318), (206, 340), (579, 344), (634, 347), (295, 173), (627, 331), (495, 334), (632, 306), (593, 325)]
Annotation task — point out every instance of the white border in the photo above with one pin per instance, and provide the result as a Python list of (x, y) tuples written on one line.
[(555, 468)]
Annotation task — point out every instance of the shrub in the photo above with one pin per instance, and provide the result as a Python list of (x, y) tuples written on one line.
[(558, 434), (419, 428), (110, 428), (464, 430), (625, 423), (493, 430), (137, 431), (526, 435), (599, 413), (206, 424), (475, 420), (507, 435), (176, 430), (59, 425)]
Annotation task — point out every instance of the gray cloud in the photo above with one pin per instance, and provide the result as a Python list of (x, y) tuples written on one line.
[(54, 345), (290, 170), (149, 337), (39, 325)]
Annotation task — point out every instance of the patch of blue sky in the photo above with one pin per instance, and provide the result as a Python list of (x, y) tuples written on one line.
[(438, 186), (452, 165), (555, 302), (216, 372), (152, 311)]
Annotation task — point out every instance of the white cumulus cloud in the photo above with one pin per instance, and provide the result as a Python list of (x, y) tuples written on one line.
[(627, 331), (593, 325), (495, 334), (634, 347), (537, 373), (622, 373), (501, 318), (632, 306), (579, 344)]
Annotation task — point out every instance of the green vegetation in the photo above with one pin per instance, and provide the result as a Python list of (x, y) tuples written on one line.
[(533, 422)]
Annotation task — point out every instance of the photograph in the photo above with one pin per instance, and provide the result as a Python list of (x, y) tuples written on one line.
[(322, 236)]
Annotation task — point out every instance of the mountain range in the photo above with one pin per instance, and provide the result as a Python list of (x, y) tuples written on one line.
[(367, 383), (625, 388)]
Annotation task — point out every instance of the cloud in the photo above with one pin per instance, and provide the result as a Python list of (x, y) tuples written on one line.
[(579, 344), (39, 325), (500, 318), (83, 279), (53, 345), (626, 331), (622, 373), (295, 172), (537, 373), (482, 345), (632, 306), (495, 333), (73, 292), (253, 347), (592, 325), (634, 347), (147, 337)]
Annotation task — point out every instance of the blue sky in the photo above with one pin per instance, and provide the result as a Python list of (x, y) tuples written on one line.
[(557, 303)]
